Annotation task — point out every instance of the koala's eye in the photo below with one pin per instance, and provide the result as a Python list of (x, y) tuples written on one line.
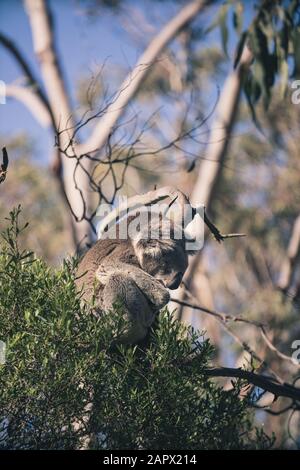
[(155, 271), (164, 267)]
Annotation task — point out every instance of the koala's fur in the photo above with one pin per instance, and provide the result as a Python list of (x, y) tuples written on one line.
[(135, 273)]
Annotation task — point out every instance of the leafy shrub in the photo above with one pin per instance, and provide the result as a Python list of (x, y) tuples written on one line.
[(62, 382)]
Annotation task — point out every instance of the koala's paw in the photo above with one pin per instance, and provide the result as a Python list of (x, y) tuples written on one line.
[(165, 298), (161, 297)]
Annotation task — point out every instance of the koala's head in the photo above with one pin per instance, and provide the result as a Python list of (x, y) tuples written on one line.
[(164, 257)]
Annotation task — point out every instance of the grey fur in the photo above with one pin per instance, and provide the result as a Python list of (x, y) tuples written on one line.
[(135, 273)]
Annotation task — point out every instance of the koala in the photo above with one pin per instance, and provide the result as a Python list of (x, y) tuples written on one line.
[(136, 273)]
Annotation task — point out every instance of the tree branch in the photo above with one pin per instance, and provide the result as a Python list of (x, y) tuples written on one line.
[(38, 103), (265, 382), (220, 134), (32, 102), (13, 49), (133, 81), (43, 42), (225, 317)]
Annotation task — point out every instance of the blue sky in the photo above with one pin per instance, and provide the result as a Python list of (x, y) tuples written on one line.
[(82, 42)]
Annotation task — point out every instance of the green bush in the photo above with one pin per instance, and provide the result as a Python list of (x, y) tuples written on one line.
[(62, 381)]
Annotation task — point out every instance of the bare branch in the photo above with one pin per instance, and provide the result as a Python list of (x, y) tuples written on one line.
[(220, 318), (216, 232), (265, 382), (43, 41), (32, 96), (220, 133), (32, 101), (13, 49), (224, 318), (133, 81), (275, 350)]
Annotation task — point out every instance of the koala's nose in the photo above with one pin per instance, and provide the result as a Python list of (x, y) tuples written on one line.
[(175, 282)]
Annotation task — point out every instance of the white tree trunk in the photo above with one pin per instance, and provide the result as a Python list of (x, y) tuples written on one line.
[(220, 133), (58, 99), (211, 167)]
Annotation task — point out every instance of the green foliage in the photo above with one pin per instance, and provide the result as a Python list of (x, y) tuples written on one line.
[(272, 36), (31, 182), (63, 382)]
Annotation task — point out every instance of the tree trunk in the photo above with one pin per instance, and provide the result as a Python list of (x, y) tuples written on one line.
[(77, 194), (42, 35), (292, 256), (211, 168)]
